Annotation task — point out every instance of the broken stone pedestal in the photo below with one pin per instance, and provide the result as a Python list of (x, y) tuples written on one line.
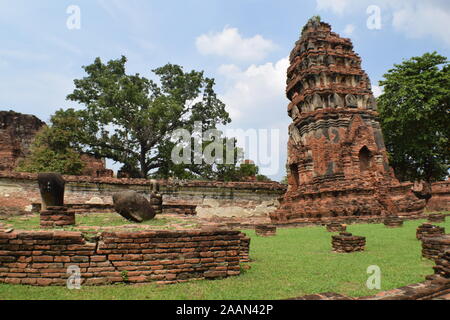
[(429, 230), (393, 222), (51, 186), (437, 218), (346, 243), (336, 227), (266, 231), (57, 217)]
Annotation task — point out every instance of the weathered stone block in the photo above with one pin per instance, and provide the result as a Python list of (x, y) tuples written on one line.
[(133, 206)]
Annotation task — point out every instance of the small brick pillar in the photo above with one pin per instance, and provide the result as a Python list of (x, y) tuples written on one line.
[(429, 230), (336, 227), (433, 247), (156, 202), (54, 217), (442, 267), (347, 243), (436, 218), (393, 222), (244, 247), (266, 230)]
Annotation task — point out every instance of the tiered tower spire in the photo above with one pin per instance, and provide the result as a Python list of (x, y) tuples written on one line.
[(337, 160)]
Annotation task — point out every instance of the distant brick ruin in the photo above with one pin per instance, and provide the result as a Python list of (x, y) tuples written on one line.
[(17, 133), (337, 160)]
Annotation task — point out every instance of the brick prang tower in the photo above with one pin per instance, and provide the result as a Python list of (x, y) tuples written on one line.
[(337, 160)]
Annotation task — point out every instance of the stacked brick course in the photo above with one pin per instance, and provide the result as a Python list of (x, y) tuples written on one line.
[(54, 217), (336, 227), (265, 231), (156, 202), (393, 222), (433, 247), (180, 208), (436, 218), (347, 243), (337, 160), (442, 267), (429, 230), (42, 258), (244, 254)]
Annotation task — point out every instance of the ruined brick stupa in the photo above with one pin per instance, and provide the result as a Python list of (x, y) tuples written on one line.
[(337, 160)]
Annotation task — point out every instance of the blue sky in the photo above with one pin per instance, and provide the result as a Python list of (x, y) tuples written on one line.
[(242, 44)]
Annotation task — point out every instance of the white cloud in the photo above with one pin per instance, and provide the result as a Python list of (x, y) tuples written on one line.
[(229, 43), (377, 91), (349, 29), (254, 89), (337, 6), (255, 99), (423, 20), (414, 18)]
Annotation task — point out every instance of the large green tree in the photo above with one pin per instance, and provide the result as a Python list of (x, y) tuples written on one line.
[(415, 117), (129, 118), (55, 147)]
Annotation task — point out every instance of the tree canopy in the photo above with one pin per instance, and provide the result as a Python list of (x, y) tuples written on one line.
[(130, 119), (55, 147), (415, 117)]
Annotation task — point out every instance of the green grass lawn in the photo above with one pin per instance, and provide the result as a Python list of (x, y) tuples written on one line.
[(294, 263)]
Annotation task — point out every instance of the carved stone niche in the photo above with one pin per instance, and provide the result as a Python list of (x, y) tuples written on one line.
[(294, 134), (295, 113), (336, 101), (317, 102), (351, 101)]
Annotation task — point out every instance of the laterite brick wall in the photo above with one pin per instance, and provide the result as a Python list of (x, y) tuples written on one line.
[(42, 258), (18, 191)]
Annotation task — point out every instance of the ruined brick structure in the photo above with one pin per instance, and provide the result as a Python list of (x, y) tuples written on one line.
[(17, 133), (95, 167), (337, 160)]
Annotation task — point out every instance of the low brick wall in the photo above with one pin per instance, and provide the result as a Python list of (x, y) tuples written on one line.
[(19, 191), (42, 258), (427, 290), (181, 209)]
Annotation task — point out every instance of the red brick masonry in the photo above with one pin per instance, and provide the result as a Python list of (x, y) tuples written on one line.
[(42, 258)]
